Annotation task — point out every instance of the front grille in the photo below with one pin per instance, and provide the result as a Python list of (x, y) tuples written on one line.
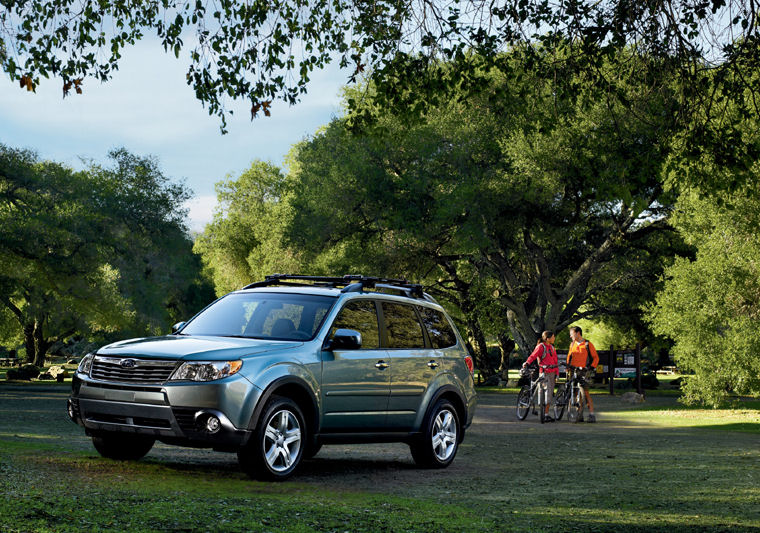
[(132, 370)]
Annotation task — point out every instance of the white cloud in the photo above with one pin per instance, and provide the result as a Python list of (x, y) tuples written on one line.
[(200, 211)]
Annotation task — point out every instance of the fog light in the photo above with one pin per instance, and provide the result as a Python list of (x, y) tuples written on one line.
[(213, 424), (70, 408)]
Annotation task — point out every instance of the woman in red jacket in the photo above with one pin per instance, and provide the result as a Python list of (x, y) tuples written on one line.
[(547, 365)]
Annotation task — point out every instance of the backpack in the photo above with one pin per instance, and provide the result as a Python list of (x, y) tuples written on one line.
[(589, 359)]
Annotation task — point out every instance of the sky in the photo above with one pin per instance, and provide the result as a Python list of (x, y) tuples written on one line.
[(148, 109)]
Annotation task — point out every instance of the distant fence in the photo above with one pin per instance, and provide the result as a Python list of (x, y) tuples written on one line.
[(613, 363)]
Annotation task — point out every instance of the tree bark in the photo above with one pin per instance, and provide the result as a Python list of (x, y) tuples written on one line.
[(478, 342), (506, 346), (41, 344), (29, 342)]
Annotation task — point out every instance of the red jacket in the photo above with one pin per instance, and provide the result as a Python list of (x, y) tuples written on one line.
[(547, 356)]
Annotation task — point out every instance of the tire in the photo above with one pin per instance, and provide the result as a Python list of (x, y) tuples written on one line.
[(311, 451), (523, 402), (560, 402), (122, 446), (575, 407), (277, 446), (441, 432), (541, 404)]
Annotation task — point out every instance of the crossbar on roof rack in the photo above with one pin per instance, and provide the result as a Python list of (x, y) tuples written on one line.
[(349, 282)]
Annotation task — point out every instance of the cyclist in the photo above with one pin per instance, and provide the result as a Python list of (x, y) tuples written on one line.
[(547, 365), (582, 354)]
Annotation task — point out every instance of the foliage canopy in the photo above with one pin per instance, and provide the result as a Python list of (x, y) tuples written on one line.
[(508, 193), (261, 51)]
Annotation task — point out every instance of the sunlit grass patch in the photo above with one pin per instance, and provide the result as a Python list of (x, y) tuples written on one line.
[(743, 419)]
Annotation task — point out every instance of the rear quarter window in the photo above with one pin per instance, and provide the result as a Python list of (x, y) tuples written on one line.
[(438, 327)]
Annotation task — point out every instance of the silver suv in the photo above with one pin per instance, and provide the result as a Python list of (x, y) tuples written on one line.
[(281, 367)]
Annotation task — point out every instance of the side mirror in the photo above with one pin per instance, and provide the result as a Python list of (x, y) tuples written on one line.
[(344, 339), (178, 326)]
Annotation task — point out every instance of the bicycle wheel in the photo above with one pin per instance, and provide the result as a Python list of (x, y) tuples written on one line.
[(541, 403), (575, 407), (560, 402), (523, 402)]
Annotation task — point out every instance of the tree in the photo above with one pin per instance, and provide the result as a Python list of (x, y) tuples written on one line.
[(79, 249), (261, 51), (243, 242), (506, 194), (710, 304), (547, 197)]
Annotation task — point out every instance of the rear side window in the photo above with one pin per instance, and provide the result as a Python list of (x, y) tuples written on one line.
[(404, 329), (361, 316), (439, 329)]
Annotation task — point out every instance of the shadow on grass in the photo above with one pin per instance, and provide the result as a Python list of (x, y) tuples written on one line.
[(622, 473)]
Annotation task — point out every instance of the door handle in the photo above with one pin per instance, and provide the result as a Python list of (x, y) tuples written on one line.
[(382, 365), (432, 364)]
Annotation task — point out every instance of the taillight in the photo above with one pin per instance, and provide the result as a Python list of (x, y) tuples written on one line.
[(470, 364)]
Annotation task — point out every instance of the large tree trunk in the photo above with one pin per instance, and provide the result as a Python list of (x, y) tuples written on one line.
[(478, 342), (506, 346), (36, 343), (41, 344), (29, 342)]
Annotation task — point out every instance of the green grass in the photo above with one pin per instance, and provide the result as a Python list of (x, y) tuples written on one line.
[(657, 466), (744, 417)]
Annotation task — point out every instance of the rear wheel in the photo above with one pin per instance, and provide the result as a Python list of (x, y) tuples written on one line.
[(523, 402), (122, 446), (277, 446), (560, 402), (439, 442)]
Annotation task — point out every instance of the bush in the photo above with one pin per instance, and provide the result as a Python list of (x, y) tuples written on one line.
[(24, 373), (649, 381)]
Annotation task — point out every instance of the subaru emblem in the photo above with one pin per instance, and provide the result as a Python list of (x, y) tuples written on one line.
[(128, 363)]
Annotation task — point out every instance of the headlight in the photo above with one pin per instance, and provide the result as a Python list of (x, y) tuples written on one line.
[(206, 370), (86, 364)]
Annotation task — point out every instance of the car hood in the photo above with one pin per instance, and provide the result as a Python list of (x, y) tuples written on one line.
[(194, 348)]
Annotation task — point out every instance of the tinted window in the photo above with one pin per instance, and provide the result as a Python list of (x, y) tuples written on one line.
[(439, 330), (262, 316), (360, 316), (404, 330)]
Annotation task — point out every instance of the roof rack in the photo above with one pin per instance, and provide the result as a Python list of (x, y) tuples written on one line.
[(349, 283)]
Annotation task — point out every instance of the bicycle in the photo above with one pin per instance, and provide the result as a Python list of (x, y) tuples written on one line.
[(531, 395), (570, 395)]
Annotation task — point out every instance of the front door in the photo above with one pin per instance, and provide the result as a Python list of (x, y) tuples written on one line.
[(356, 383)]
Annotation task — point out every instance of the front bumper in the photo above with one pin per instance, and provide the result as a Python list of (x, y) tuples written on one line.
[(172, 412)]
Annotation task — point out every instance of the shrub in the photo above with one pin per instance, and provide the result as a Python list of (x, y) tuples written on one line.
[(25, 373)]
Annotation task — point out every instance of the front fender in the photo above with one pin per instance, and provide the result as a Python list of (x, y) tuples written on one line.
[(296, 380)]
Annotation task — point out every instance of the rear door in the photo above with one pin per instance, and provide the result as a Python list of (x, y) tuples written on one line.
[(356, 383), (413, 363)]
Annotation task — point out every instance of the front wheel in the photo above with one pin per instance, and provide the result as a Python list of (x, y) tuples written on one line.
[(541, 402), (122, 446), (523, 402), (439, 442), (575, 408), (277, 445)]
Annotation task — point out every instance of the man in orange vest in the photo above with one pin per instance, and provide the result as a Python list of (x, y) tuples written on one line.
[(582, 354)]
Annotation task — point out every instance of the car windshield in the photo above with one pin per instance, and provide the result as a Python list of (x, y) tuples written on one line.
[(289, 317)]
